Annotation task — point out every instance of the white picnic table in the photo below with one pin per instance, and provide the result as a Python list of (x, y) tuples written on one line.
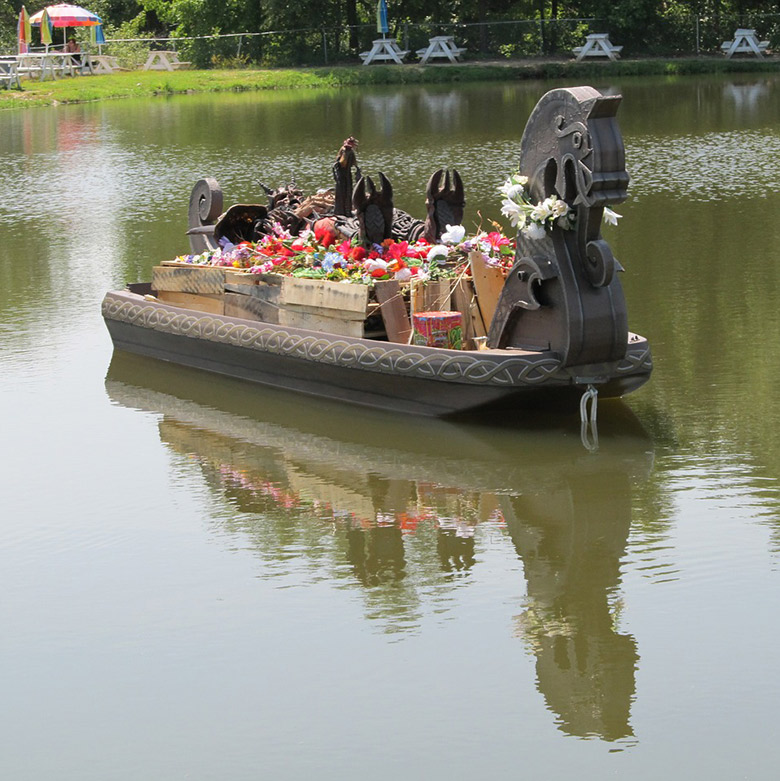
[(384, 50), (440, 46), (745, 41), (597, 45), (43, 64), (164, 61), (9, 74), (104, 63)]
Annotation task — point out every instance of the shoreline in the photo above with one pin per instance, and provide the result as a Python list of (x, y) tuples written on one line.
[(139, 83)]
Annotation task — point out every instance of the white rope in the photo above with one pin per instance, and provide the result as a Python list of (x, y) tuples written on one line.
[(588, 431)]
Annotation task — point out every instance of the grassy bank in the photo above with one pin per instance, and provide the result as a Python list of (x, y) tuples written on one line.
[(151, 83)]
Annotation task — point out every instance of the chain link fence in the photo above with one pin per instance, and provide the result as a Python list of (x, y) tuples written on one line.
[(684, 35)]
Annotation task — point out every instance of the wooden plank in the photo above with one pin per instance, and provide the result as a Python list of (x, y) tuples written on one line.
[(461, 300), (316, 294), (314, 322), (194, 279), (250, 308), (393, 309), (240, 277), (214, 304), (430, 295), (270, 293), (488, 282)]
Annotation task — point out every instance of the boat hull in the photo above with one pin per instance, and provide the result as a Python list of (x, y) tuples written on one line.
[(407, 378)]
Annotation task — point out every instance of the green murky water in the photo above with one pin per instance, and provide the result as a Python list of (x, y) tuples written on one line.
[(207, 580)]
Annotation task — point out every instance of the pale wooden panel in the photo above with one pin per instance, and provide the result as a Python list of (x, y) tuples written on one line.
[(195, 279), (393, 309), (214, 304), (488, 282), (250, 308), (314, 322), (318, 294)]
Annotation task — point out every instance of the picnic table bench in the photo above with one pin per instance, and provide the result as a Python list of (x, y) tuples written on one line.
[(597, 45), (9, 76), (745, 42), (440, 46), (104, 63), (384, 49), (43, 64), (164, 61)]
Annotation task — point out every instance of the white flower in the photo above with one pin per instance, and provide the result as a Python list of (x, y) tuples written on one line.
[(513, 187), (559, 208), (403, 274), (610, 217), (534, 231), (542, 211), (512, 191), (437, 251), (514, 212), (374, 264), (454, 234)]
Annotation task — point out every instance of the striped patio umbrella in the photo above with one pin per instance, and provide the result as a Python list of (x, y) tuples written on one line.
[(96, 36), (65, 15), (24, 31), (45, 25)]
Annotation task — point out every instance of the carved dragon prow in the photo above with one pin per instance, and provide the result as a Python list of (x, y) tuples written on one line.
[(563, 293)]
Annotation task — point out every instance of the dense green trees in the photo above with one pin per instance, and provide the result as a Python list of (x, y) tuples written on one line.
[(313, 31)]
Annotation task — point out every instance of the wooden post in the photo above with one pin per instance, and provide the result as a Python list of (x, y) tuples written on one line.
[(393, 308), (488, 282)]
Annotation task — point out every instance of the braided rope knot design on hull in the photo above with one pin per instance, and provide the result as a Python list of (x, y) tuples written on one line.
[(471, 368)]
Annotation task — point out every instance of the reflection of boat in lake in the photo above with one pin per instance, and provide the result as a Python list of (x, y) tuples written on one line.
[(554, 326), (401, 509)]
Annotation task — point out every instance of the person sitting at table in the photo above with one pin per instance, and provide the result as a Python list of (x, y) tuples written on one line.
[(72, 48)]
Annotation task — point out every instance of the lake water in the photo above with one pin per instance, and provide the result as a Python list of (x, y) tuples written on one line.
[(206, 580)]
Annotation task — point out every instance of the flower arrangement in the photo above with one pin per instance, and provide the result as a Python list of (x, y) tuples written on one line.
[(533, 219), (318, 254)]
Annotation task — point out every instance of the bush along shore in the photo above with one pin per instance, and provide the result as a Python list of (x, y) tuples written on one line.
[(141, 83)]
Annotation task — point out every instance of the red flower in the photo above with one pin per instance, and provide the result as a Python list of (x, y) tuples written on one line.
[(357, 253), (397, 250), (324, 232)]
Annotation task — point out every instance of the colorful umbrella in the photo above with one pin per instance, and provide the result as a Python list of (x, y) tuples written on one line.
[(65, 15), (381, 18), (45, 25), (96, 35), (23, 31)]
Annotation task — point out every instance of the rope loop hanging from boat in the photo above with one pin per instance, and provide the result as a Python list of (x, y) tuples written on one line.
[(588, 430)]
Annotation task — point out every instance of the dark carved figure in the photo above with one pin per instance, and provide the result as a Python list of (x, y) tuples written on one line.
[(361, 210), (444, 202), (346, 160), (563, 292), (373, 209)]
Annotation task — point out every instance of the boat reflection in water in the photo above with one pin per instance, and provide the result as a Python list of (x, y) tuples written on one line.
[(401, 509)]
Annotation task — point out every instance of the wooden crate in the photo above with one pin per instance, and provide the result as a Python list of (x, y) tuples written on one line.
[(184, 278), (315, 304)]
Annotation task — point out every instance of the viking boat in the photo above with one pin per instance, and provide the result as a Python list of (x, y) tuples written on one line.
[(550, 329)]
